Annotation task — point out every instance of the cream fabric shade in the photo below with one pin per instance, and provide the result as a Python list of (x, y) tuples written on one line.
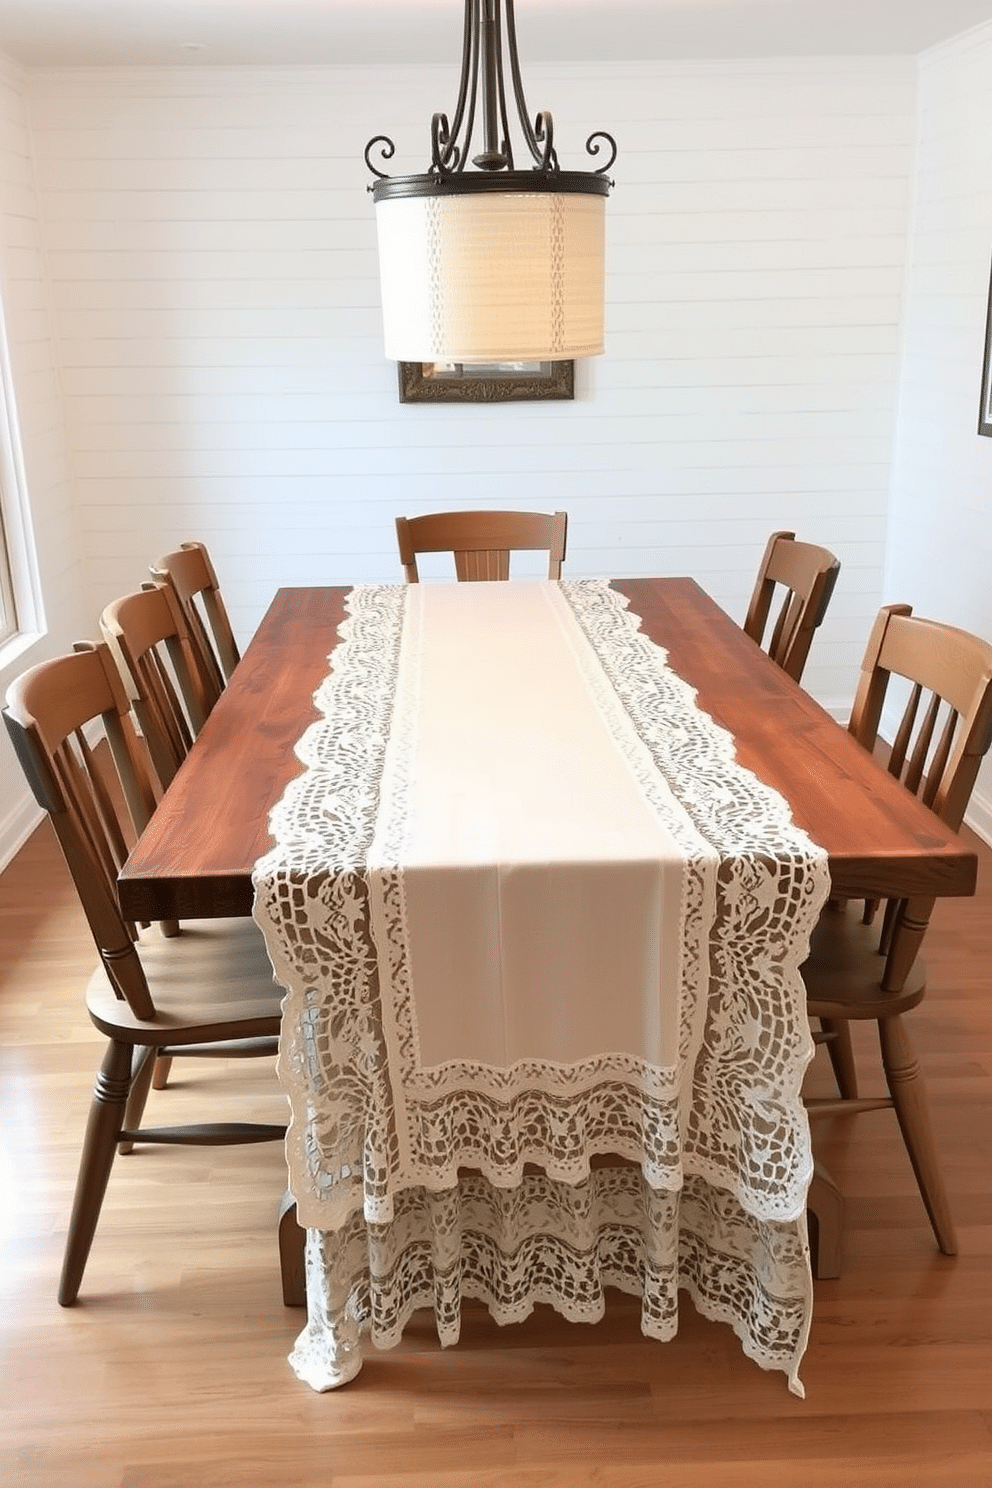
[(493, 276)]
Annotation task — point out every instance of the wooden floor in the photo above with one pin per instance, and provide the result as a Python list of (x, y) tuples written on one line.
[(171, 1372)]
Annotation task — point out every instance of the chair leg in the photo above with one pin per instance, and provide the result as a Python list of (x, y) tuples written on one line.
[(160, 1074), (105, 1123), (841, 1055), (905, 1081), (142, 1074)]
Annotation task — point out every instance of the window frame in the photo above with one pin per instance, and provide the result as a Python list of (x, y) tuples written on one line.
[(8, 600), (22, 619)]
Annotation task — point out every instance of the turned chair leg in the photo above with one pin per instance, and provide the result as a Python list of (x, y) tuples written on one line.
[(103, 1128), (905, 1080)]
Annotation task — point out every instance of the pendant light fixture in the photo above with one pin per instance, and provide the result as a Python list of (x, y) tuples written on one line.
[(493, 264)]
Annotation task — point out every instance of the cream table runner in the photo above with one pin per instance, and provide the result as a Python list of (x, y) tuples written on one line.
[(529, 910)]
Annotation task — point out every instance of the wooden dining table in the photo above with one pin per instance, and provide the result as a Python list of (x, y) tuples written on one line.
[(199, 854), (196, 857)]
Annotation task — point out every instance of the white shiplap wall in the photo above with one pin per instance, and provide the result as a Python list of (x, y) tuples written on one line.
[(940, 556), (211, 254), (39, 412)]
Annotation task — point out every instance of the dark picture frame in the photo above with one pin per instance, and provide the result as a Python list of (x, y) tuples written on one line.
[(488, 382), (985, 408)]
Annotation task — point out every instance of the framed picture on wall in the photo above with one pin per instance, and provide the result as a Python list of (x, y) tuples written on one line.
[(485, 382), (985, 411)]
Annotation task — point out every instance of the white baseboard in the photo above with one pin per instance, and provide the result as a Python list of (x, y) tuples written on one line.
[(17, 828)]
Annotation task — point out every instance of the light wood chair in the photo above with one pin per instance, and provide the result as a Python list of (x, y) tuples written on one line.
[(808, 574), (189, 573), (208, 993), (858, 970), (482, 541), (168, 690)]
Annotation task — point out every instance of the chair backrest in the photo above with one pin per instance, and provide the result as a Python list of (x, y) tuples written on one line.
[(97, 806), (946, 725), (190, 574), (944, 731), (808, 574), (482, 541), (148, 637)]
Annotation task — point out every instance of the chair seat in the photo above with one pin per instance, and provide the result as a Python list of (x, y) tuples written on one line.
[(213, 975), (843, 974)]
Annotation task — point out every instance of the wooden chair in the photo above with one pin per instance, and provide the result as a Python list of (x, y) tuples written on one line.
[(189, 573), (170, 693), (209, 993), (808, 574), (482, 541), (858, 970), (168, 690)]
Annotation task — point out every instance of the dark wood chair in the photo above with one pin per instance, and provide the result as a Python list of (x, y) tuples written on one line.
[(209, 992), (807, 574), (482, 541), (864, 970), (189, 573)]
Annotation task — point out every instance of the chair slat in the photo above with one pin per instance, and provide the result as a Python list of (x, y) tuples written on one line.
[(110, 821), (938, 764), (921, 746), (84, 804), (904, 734)]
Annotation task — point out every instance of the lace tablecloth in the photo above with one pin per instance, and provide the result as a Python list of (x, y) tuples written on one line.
[(530, 912)]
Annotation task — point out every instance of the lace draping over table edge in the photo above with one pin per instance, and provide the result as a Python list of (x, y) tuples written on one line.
[(741, 1127), (561, 1245)]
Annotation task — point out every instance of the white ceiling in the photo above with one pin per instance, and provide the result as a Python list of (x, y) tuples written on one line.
[(221, 32)]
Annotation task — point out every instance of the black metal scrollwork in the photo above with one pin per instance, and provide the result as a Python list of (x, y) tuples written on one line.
[(544, 134), (483, 74), (387, 153), (593, 149), (444, 151)]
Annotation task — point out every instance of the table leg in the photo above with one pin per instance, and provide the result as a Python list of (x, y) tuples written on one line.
[(292, 1241), (825, 1207)]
